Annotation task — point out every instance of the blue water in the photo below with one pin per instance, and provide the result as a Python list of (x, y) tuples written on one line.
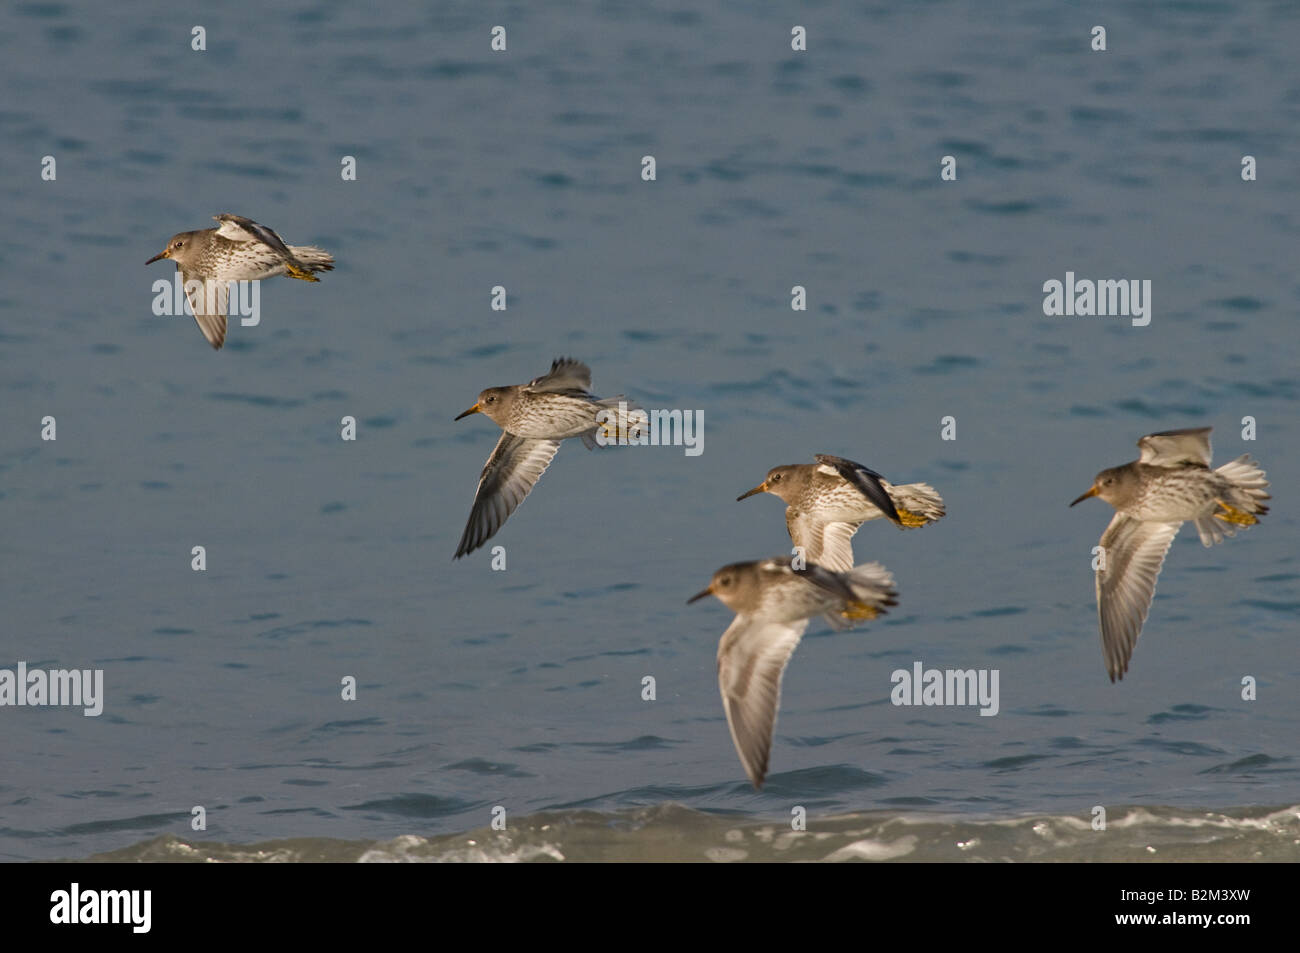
[(522, 688)]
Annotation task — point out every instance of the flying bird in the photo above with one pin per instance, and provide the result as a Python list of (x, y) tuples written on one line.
[(1170, 483), (773, 602), (829, 500), (239, 250), (533, 418)]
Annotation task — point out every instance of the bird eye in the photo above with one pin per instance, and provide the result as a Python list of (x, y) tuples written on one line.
[(178, 244), (776, 478), (490, 400)]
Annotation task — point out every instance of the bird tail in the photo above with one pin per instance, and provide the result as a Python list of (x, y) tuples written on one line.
[(308, 259), (917, 504), (1244, 504), (873, 587)]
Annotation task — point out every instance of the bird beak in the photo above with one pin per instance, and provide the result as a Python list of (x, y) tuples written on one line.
[(700, 595), (476, 409), (761, 488), (165, 253), (1092, 492)]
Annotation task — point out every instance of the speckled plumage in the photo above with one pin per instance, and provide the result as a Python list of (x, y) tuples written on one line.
[(829, 500), (1153, 496), (238, 250), (533, 418), (773, 602)]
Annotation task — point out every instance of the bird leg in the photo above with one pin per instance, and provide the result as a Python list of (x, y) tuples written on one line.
[(293, 271), (859, 610), (908, 518), (1234, 515)]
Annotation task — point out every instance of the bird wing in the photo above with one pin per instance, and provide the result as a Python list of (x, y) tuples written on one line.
[(1171, 448), (865, 480), (208, 300), (566, 376), (1135, 551), (240, 229), (515, 466), (826, 544), (752, 656), (830, 581)]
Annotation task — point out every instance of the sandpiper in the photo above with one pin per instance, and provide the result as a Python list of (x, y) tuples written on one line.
[(239, 250), (828, 500), (533, 418), (773, 602), (1153, 496)]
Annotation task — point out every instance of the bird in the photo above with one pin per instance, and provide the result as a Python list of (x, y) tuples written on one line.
[(1169, 484), (239, 250), (773, 600), (533, 418), (828, 500)]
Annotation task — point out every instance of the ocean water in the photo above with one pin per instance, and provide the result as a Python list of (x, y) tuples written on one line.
[(522, 690)]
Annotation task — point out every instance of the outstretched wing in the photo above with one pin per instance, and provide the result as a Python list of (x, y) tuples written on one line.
[(1171, 448), (751, 660), (1134, 551), (208, 301), (508, 477), (826, 544), (566, 376)]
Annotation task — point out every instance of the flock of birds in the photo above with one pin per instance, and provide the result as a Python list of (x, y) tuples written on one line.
[(826, 501)]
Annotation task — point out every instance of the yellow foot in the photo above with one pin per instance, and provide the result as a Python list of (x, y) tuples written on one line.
[(859, 610), (1234, 515), (909, 519), (613, 433), (293, 271)]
